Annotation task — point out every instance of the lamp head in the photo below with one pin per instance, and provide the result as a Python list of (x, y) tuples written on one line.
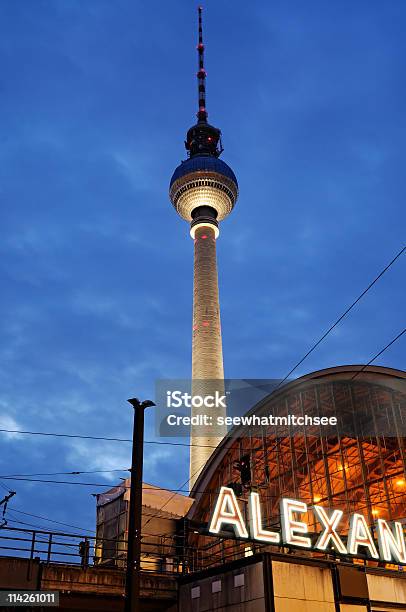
[(136, 403)]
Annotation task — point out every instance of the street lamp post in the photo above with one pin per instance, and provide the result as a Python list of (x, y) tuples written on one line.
[(132, 583)]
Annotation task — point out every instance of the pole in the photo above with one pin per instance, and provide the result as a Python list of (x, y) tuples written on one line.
[(5, 501), (132, 583)]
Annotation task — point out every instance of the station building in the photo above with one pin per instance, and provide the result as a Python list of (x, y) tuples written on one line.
[(358, 469)]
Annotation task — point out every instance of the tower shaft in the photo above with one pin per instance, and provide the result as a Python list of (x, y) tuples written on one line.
[(207, 350)]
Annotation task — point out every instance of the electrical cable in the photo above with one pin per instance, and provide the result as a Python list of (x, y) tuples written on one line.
[(4, 487), (380, 353), (104, 438), (174, 491), (233, 440), (75, 473), (184, 484), (16, 520), (90, 484), (341, 317), (44, 518)]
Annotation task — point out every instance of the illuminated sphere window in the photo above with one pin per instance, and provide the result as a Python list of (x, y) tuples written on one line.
[(203, 181)]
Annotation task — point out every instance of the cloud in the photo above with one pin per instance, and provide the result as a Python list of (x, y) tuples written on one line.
[(97, 455), (8, 422)]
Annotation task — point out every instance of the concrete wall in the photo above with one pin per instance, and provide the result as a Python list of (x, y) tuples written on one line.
[(302, 588), (281, 583), (239, 589), (71, 578), (19, 573), (93, 588), (385, 588)]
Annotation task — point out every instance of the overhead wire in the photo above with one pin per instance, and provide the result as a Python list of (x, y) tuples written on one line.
[(74, 473), (341, 317), (4, 487), (380, 353), (90, 484), (44, 518), (103, 438), (184, 484)]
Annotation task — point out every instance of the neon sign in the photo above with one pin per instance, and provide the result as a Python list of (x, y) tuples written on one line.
[(390, 547)]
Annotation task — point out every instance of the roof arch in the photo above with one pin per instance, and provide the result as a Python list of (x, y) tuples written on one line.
[(390, 378)]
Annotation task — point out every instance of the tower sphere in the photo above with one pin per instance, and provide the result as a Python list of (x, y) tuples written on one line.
[(203, 181)]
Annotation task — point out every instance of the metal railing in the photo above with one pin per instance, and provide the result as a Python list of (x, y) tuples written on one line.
[(163, 556)]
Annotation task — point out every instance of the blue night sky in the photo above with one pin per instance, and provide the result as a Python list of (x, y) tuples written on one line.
[(96, 267)]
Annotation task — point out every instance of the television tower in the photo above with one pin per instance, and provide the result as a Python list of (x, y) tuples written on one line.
[(204, 189)]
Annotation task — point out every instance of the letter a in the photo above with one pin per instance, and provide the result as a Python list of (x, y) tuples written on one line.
[(360, 535), (227, 511)]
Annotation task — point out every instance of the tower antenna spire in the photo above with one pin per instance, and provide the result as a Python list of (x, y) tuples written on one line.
[(201, 74)]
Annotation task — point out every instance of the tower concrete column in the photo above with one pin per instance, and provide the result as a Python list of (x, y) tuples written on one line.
[(207, 350)]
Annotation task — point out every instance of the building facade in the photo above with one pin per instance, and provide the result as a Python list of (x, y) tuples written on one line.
[(358, 466), (271, 582), (358, 469), (161, 524)]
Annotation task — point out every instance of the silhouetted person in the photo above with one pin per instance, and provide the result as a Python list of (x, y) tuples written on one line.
[(84, 553)]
